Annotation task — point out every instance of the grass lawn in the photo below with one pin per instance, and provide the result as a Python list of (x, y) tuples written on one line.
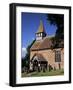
[(46, 73)]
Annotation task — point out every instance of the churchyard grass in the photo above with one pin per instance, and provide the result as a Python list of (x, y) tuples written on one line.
[(41, 73)]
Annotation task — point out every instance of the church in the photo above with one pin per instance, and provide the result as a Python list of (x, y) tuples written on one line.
[(41, 53)]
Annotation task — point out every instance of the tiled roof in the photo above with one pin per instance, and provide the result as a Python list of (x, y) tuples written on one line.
[(39, 56), (42, 44)]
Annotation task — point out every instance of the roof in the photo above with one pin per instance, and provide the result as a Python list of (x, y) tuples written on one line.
[(39, 56), (45, 43), (41, 28), (42, 44)]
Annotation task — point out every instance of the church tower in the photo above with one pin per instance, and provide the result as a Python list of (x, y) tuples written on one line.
[(40, 34)]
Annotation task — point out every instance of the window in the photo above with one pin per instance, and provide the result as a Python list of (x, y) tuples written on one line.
[(57, 56), (38, 35), (41, 34)]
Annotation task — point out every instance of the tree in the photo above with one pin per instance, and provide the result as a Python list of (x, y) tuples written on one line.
[(57, 20), (25, 60)]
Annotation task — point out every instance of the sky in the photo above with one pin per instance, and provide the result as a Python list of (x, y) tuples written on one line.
[(29, 25)]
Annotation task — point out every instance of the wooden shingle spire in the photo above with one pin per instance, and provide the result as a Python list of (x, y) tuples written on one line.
[(41, 28), (40, 34)]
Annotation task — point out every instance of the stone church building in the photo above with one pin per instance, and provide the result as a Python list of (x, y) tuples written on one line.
[(41, 53)]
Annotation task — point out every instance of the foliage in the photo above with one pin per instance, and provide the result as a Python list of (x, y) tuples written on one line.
[(25, 60), (57, 20)]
